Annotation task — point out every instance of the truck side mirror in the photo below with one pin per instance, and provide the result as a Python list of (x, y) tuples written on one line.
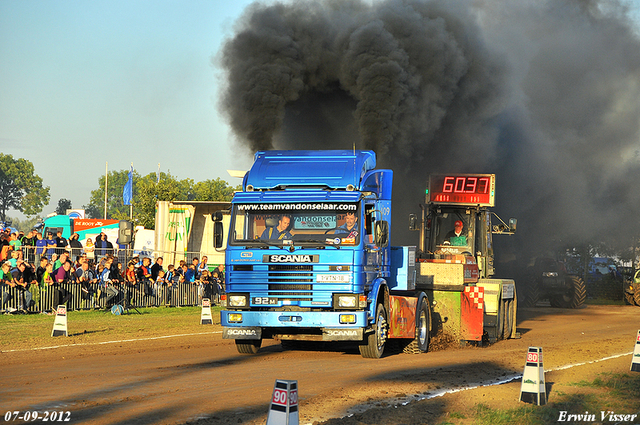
[(512, 225), (413, 222), (218, 234), (218, 229), (381, 229)]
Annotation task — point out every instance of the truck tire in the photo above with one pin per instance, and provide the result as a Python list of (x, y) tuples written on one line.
[(628, 299), (423, 327), (636, 295), (532, 292), (248, 346), (374, 341), (574, 298)]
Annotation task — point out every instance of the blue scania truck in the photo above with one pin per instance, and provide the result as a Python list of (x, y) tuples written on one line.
[(308, 257)]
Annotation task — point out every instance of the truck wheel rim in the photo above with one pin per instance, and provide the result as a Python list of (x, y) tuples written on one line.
[(422, 330), (381, 332)]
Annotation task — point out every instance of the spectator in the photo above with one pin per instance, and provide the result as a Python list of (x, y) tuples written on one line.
[(62, 258), (109, 281), (4, 247), (14, 242), (41, 285), (61, 277), (89, 249), (106, 245), (203, 265), (53, 259), (21, 281), (114, 270), (99, 247), (130, 279), (216, 283), (61, 243), (171, 280), (195, 262), (86, 278), (40, 244), (6, 282), (144, 276), (159, 283), (41, 268), (51, 245), (28, 244), (220, 270), (13, 259), (75, 245), (207, 287), (189, 274), (156, 268)]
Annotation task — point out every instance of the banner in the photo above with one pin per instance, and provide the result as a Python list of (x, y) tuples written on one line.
[(176, 229), (127, 192)]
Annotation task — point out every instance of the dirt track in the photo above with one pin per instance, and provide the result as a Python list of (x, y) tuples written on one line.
[(175, 380)]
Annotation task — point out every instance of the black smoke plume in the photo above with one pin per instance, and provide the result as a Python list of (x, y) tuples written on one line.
[(542, 93)]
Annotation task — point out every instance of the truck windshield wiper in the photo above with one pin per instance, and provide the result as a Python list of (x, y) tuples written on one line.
[(267, 242), (319, 243)]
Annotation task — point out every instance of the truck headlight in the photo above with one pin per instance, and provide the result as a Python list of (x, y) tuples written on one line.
[(549, 274), (237, 300), (346, 301)]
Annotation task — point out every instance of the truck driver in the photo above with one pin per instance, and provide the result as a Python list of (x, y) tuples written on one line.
[(349, 226), (455, 237), (280, 231)]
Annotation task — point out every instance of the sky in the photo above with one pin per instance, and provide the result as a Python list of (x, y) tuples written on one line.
[(83, 84)]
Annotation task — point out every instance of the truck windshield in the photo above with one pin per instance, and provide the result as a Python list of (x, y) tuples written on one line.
[(297, 223), (454, 232)]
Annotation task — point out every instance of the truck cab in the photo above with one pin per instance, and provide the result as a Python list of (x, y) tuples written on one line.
[(308, 251)]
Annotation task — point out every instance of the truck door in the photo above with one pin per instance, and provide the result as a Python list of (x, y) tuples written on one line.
[(372, 254)]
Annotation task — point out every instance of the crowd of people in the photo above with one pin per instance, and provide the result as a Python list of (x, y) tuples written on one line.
[(95, 270)]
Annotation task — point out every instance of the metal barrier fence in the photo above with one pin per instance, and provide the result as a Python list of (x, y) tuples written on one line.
[(32, 255), (96, 296)]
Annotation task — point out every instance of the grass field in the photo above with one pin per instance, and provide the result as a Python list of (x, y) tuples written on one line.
[(34, 330), (619, 393)]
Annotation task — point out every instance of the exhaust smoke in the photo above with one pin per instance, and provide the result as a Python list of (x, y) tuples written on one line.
[(542, 93)]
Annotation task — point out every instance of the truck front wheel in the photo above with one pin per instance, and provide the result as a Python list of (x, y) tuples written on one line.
[(374, 341), (248, 346)]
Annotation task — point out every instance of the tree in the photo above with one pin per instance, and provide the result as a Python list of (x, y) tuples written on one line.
[(147, 191), (116, 209), (213, 190), (26, 224), (63, 205), (20, 188)]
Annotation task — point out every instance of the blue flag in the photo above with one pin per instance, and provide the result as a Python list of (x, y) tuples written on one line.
[(127, 192)]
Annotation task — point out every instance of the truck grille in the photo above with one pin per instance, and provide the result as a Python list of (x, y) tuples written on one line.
[(291, 277)]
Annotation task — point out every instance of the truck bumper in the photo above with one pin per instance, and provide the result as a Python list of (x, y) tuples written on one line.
[(294, 325)]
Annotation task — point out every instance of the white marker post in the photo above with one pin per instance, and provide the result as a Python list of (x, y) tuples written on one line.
[(284, 403), (533, 388), (60, 324), (635, 360), (205, 316)]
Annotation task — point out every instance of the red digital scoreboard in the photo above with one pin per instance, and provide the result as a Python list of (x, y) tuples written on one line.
[(462, 189)]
